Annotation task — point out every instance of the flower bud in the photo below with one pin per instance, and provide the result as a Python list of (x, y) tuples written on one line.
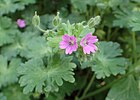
[(21, 23), (36, 20), (56, 21), (94, 21)]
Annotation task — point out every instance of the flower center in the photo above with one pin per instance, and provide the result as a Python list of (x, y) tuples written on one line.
[(85, 43), (71, 42)]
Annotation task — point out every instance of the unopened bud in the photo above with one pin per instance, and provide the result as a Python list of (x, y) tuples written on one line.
[(94, 21), (36, 20), (56, 21)]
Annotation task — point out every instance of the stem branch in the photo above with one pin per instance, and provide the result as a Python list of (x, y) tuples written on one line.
[(134, 46), (89, 85), (41, 29), (105, 87)]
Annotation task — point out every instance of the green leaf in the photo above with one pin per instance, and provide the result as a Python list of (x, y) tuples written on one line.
[(2, 97), (74, 18), (8, 30), (81, 5), (106, 60), (35, 47), (128, 17), (29, 45), (34, 74), (123, 18), (8, 72), (76, 29), (115, 3), (135, 21), (7, 6), (136, 1), (11, 50), (14, 92), (54, 41), (46, 21), (125, 89), (55, 96), (68, 88)]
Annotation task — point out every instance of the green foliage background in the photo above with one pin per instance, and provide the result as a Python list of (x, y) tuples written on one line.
[(32, 67)]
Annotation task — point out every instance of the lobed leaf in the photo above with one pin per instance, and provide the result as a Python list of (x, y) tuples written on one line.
[(7, 6), (2, 97), (106, 60), (8, 30), (135, 21), (125, 89), (8, 73), (81, 5), (35, 75), (14, 92), (28, 45)]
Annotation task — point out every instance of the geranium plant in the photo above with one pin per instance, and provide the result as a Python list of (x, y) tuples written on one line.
[(69, 50)]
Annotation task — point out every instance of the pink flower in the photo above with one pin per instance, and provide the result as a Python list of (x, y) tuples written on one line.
[(69, 43), (21, 23), (88, 43)]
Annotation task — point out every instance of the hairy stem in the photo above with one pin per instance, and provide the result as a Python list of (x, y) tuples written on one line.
[(98, 90), (109, 34), (76, 98), (134, 46), (105, 87), (41, 29), (89, 85)]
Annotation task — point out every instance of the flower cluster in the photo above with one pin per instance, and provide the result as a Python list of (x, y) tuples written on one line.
[(70, 43)]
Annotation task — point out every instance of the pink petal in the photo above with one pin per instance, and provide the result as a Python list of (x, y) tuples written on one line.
[(92, 40), (74, 47), (65, 37), (88, 35), (82, 42), (63, 45), (72, 38), (68, 50), (89, 48), (93, 46), (95, 37), (86, 50)]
